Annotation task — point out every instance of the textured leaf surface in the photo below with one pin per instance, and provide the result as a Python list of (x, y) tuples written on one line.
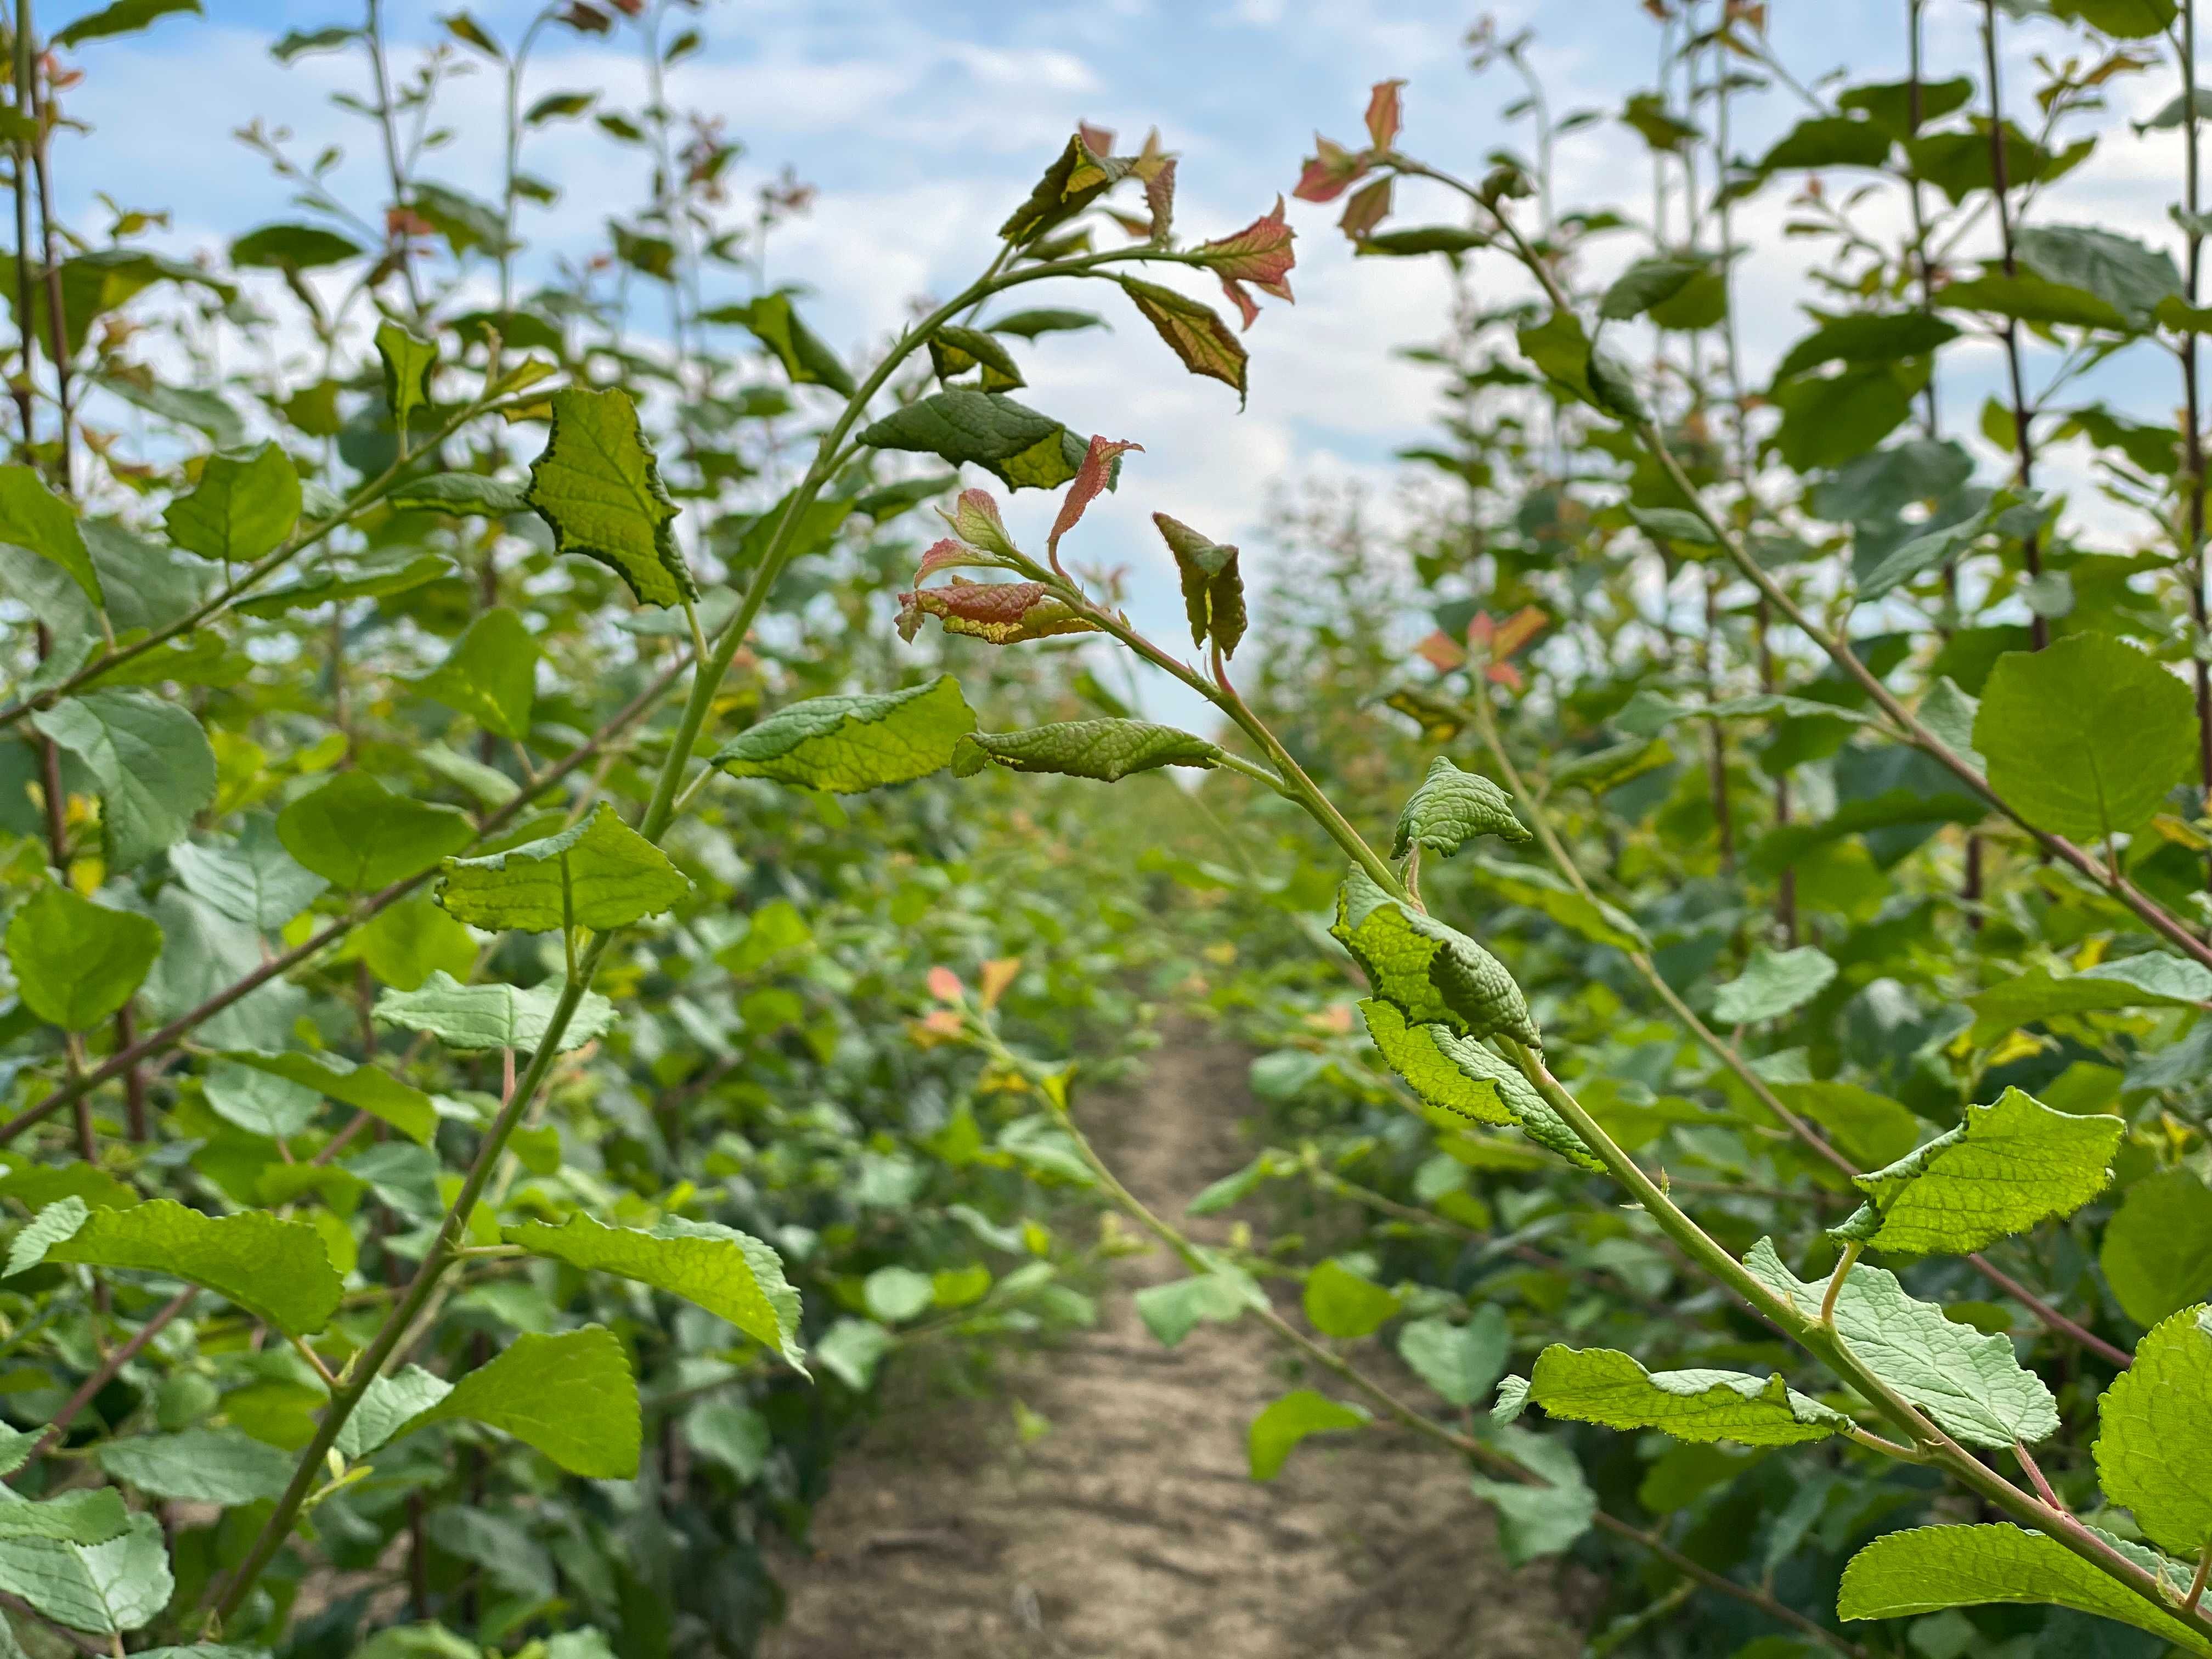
[(600, 873), (1194, 331), (358, 835), (76, 963), (252, 879), (1600, 1385), (1928, 1569), (1972, 1384), (597, 484), (2086, 737), (155, 768), (1106, 749), (1025, 450), (73, 1518), (2153, 1444), (2157, 1249), (1276, 1431), (476, 1017), (385, 1406), (107, 1589), (1003, 613), (1451, 808), (1467, 1077), (2006, 1167), (206, 1466), (277, 1270), (851, 744), (1773, 983), (1431, 971), (364, 1088), (570, 1397), (729, 1273), (243, 507)]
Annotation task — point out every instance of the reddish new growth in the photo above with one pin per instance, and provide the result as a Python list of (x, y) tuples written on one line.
[(1090, 479), (1333, 169), (1258, 254), (1001, 612), (1492, 641)]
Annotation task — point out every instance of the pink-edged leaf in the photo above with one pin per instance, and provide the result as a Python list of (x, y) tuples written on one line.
[(1001, 612), (1441, 652), (1329, 171), (1247, 307), (948, 555), (975, 519), (1096, 471), (1158, 172), (1192, 329), (1259, 253), (1383, 113), (1367, 209), (1098, 140), (945, 985)]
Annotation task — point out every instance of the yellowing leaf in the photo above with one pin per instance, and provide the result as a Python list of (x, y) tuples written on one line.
[(1194, 331)]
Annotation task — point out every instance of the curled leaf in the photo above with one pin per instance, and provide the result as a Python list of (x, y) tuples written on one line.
[(1258, 254), (1100, 466), (975, 519), (1213, 589), (1003, 613), (1107, 749), (1078, 176), (1383, 113)]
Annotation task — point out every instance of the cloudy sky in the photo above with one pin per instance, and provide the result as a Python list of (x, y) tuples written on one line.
[(921, 125)]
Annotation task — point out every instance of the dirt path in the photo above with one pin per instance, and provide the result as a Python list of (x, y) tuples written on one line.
[(1130, 1530)]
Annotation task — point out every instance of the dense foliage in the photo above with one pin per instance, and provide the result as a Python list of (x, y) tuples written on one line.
[(536, 978)]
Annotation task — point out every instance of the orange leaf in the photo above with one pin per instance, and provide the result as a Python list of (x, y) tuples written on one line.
[(998, 974), (945, 985), (1383, 113)]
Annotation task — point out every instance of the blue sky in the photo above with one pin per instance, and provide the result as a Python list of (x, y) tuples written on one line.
[(922, 124)]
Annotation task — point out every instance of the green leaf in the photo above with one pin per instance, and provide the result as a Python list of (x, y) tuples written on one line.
[(359, 836), (156, 767), (1022, 448), (201, 1466), (1867, 337), (1106, 749), (850, 743), (258, 1102), (1828, 141), (1173, 1310), (2028, 298), (1341, 1302), (409, 363), (275, 1270), (727, 1273), (2125, 274), (364, 1088), (1541, 1519), (2157, 1249), (1194, 331), (35, 1186), (243, 507), (1277, 1429), (1419, 240), (123, 17), (1431, 971), (75, 961), (472, 1017), (850, 1350), (2151, 979), (1773, 983), (1971, 1384), (570, 1397), (1028, 325), (1533, 885), (2154, 1445), (805, 357), (1461, 1362), (72, 1517), (600, 873), (293, 247), (31, 516), (2086, 737), (597, 484), (252, 879), (1454, 1074), (1600, 1385), (1647, 282), (1213, 585), (1920, 554), (1451, 808), (2123, 20), (1827, 421), (107, 1589), (896, 1294), (1560, 349), (1651, 711), (1928, 1569), (1075, 179), (953, 351), (1890, 105), (1868, 1128), (462, 494), (490, 675), (386, 1406)]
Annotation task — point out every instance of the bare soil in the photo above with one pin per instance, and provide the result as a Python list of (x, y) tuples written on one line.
[(1131, 1530)]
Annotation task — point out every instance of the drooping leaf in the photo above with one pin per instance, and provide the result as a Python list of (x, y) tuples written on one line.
[(1928, 1569), (276, 1270), (31, 516), (599, 873), (76, 963), (1431, 971), (2153, 1446), (597, 484), (1106, 749), (490, 675), (2157, 1249), (804, 355), (1773, 983), (2085, 739), (1212, 586), (1276, 1431), (570, 1396), (1022, 448), (953, 351), (201, 1466), (1971, 1384), (1077, 177), (729, 1273), (243, 507), (1451, 808), (1461, 1362), (1600, 1385), (1193, 330), (478, 1017), (850, 743), (358, 835), (368, 1088), (1457, 1074), (156, 767), (1533, 885)]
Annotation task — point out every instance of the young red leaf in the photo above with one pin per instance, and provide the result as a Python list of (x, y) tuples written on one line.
[(1098, 140), (1157, 170), (1383, 113), (1192, 329), (1441, 652), (945, 984), (1258, 254), (1329, 171), (1097, 472), (975, 519), (1365, 210), (948, 554), (1136, 229), (1003, 613)]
